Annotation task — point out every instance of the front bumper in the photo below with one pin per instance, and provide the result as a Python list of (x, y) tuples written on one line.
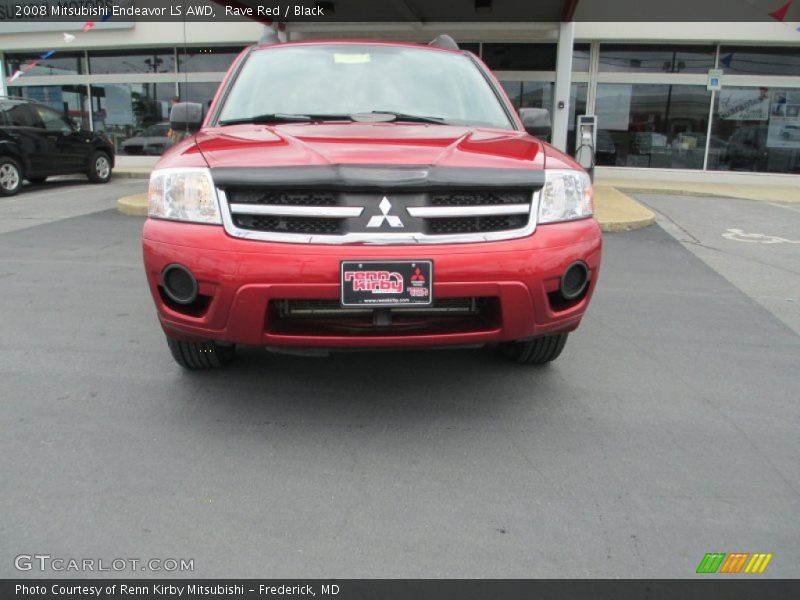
[(239, 282)]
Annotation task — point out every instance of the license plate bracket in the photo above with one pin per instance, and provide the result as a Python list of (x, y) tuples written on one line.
[(386, 283)]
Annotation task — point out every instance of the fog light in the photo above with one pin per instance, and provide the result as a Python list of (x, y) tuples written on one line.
[(574, 280), (179, 284)]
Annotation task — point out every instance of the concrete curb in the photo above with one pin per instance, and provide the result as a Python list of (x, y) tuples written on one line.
[(614, 210), (134, 206), (629, 225), (144, 174)]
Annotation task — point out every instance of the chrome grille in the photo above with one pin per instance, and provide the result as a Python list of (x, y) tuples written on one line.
[(336, 217)]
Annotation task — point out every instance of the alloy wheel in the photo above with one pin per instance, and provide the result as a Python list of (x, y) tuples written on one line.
[(102, 167), (9, 177)]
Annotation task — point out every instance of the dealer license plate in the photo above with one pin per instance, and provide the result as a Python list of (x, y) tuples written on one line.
[(387, 283)]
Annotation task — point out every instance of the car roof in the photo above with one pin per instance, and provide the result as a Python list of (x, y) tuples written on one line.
[(418, 46), (15, 100)]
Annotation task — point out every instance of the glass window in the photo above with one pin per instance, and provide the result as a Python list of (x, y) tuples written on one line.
[(653, 125), (70, 100), (156, 130), (761, 60), (577, 106), (125, 110), (756, 129), (157, 60), (656, 58), (51, 120), (539, 94), (580, 58), (202, 92), (529, 94), (520, 57), (61, 63), (344, 79), (207, 59), (20, 115)]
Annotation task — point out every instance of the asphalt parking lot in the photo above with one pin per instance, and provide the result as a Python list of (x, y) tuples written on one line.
[(667, 429)]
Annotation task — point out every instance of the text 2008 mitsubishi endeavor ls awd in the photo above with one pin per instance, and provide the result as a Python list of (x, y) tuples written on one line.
[(367, 195)]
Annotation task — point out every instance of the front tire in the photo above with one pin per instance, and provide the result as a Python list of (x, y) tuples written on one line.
[(535, 352), (99, 168), (198, 356), (10, 176)]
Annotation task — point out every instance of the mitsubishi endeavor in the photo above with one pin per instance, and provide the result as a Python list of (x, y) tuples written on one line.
[(353, 195)]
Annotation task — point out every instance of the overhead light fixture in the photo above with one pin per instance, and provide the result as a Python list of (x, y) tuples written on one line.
[(483, 6)]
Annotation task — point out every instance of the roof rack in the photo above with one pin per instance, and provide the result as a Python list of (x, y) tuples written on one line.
[(444, 41)]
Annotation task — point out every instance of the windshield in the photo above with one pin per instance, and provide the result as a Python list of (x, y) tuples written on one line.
[(347, 79)]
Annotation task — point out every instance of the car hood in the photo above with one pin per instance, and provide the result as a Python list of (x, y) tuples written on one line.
[(367, 143)]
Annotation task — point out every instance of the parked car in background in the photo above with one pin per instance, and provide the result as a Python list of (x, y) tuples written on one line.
[(37, 142), (790, 133), (150, 142)]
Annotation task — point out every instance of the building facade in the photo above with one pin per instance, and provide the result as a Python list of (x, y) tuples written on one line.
[(647, 83)]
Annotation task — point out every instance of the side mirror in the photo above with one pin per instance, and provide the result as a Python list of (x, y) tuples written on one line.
[(536, 122), (186, 116)]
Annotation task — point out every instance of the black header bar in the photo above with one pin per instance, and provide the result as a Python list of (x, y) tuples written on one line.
[(412, 11), (701, 588)]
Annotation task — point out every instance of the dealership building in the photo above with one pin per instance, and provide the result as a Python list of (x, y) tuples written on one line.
[(676, 97)]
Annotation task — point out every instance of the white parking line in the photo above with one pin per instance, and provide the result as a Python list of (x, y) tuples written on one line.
[(786, 206)]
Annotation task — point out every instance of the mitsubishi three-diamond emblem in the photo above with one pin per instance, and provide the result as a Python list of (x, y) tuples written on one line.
[(393, 220)]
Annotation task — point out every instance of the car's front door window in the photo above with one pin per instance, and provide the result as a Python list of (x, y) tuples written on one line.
[(52, 121)]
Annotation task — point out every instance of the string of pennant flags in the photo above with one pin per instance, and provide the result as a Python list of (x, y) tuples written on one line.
[(88, 26), (68, 39), (778, 14)]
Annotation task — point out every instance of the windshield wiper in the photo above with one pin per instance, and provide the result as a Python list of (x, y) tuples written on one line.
[(268, 118), (398, 116), (284, 118), (375, 116)]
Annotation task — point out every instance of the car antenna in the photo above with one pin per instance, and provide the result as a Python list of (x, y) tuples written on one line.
[(444, 41)]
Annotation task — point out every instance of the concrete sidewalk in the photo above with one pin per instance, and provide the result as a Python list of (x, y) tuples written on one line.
[(762, 193)]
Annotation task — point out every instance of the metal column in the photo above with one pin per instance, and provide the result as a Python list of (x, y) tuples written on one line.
[(566, 37)]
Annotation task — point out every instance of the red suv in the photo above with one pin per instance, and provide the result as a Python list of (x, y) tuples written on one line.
[(367, 195)]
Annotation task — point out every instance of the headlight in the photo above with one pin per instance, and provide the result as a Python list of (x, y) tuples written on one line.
[(183, 195), (566, 195)]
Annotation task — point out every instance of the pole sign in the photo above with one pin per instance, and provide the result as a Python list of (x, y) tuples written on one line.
[(714, 80)]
